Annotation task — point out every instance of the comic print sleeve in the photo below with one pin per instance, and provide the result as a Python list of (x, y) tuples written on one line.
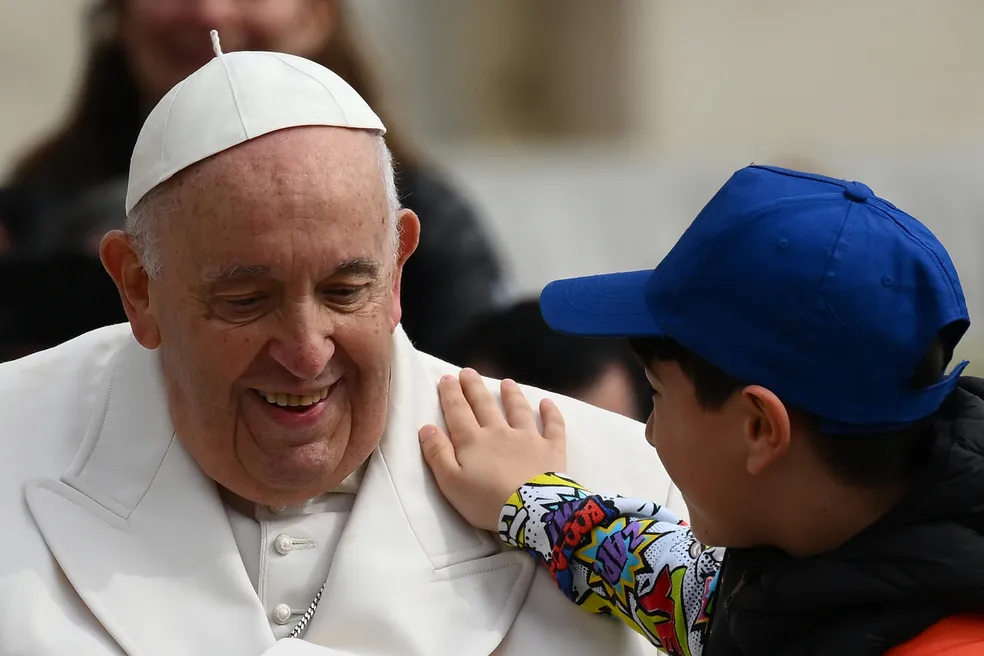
[(632, 559)]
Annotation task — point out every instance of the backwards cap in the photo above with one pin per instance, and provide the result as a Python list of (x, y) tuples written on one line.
[(233, 98), (812, 287)]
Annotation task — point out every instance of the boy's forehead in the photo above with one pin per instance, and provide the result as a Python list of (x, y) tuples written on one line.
[(662, 370)]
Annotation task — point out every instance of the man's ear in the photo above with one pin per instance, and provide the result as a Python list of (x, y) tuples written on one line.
[(409, 230), (123, 264), (767, 428)]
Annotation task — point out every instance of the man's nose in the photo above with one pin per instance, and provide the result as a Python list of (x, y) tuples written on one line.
[(305, 346)]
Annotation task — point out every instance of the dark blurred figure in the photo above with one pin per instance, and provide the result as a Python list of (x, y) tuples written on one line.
[(69, 190), (516, 343), (48, 300)]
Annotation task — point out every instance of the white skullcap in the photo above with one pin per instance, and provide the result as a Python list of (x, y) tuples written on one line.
[(234, 98)]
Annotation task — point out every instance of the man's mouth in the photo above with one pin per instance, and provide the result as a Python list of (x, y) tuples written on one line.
[(295, 402)]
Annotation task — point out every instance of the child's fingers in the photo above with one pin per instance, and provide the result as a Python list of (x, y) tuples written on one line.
[(553, 421), (438, 453), (484, 406), (458, 415), (518, 410)]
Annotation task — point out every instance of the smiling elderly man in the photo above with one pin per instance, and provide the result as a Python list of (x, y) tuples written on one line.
[(237, 471)]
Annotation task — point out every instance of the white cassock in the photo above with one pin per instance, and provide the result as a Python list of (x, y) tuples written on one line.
[(114, 542)]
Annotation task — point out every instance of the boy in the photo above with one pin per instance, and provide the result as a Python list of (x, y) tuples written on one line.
[(796, 339)]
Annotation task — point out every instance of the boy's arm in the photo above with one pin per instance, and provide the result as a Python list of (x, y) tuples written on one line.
[(611, 555), (632, 559)]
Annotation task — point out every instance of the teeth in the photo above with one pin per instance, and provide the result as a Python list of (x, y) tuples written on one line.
[(294, 400)]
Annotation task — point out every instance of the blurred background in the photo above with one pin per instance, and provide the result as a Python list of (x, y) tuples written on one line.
[(581, 135)]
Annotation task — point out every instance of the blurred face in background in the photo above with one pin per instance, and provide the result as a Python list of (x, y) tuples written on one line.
[(167, 40), (612, 391)]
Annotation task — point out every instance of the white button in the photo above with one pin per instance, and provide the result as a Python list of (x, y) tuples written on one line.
[(283, 544), (277, 510), (281, 613)]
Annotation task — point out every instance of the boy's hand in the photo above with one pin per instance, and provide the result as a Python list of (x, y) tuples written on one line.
[(490, 454)]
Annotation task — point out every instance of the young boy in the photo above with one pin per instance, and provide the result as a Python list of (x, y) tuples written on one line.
[(796, 339)]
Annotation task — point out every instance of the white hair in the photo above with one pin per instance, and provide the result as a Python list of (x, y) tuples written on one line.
[(142, 221)]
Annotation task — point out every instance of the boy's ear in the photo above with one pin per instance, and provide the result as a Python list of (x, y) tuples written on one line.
[(767, 428)]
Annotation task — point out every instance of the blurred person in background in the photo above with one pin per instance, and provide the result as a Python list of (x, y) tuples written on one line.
[(68, 190), (515, 342)]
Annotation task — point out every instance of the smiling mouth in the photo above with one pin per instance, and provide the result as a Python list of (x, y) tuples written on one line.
[(297, 403)]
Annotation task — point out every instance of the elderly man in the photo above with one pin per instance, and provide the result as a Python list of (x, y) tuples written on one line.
[(237, 471)]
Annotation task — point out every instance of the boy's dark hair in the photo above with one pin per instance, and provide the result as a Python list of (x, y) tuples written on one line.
[(863, 460)]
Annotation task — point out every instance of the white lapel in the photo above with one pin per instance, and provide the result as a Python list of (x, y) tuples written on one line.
[(141, 533), (410, 576)]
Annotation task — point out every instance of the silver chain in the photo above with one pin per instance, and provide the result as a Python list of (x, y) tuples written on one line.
[(308, 614)]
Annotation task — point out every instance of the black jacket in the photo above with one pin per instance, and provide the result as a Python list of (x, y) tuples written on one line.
[(52, 288), (920, 563)]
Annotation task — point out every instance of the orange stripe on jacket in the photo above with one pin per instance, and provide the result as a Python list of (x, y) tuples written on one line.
[(960, 635)]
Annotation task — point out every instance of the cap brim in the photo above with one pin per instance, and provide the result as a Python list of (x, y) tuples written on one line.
[(610, 305)]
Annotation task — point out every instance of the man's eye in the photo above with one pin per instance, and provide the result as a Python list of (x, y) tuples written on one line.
[(241, 307), (244, 303), (345, 295)]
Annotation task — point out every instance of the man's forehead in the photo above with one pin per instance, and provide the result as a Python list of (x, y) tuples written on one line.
[(300, 200), (307, 150), (324, 172), (284, 249)]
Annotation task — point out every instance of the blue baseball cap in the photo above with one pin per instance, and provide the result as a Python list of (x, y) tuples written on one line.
[(812, 287)]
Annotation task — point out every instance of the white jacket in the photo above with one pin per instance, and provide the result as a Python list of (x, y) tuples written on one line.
[(114, 542)]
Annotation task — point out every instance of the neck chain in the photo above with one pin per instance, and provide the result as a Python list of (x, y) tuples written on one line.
[(306, 617)]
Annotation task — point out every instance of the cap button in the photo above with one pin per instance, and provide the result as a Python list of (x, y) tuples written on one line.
[(857, 192)]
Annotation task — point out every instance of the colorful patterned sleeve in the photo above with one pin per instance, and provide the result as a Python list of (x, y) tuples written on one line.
[(632, 559)]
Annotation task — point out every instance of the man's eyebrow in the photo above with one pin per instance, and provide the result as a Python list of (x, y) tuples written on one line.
[(237, 272), (360, 266)]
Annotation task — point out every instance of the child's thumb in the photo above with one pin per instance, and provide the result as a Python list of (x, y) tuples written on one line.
[(438, 452)]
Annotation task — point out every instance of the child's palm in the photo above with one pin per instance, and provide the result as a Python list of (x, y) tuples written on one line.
[(488, 453)]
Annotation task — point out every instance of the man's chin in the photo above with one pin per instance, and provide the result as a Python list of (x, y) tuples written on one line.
[(279, 471)]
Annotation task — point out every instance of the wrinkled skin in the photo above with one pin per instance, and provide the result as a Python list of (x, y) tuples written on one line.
[(278, 276)]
